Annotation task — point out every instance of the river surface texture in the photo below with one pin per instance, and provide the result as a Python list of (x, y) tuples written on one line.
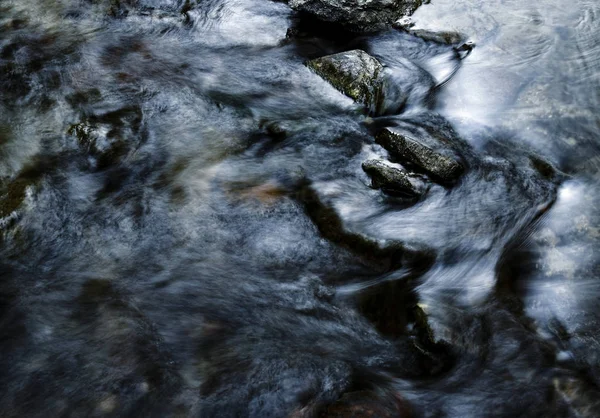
[(186, 229)]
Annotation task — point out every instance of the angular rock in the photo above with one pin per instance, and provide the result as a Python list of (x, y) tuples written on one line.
[(393, 180), (358, 15), (355, 73), (436, 159)]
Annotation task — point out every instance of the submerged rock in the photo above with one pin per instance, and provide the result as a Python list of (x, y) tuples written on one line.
[(355, 73), (106, 149), (366, 15), (111, 136), (434, 157), (14, 191), (12, 195), (381, 256), (393, 180), (367, 404)]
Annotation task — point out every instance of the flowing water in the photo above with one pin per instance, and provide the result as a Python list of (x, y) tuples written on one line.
[(187, 230)]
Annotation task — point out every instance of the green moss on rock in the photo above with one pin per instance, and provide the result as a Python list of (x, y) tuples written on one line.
[(354, 73)]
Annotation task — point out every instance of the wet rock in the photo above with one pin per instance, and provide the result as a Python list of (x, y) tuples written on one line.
[(360, 16), (422, 327), (463, 50), (12, 195), (393, 180), (404, 23), (381, 257), (581, 395), (385, 306), (430, 353), (434, 157), (355, 73), (444, 37), (121, 335), (365, 404), (14, 191)]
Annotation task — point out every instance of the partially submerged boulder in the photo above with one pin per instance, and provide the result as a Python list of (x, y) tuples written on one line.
[(358, 15), (393, 180), (355, 73), (434, 157)]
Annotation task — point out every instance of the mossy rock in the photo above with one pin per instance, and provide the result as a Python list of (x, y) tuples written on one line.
[(354, 73)]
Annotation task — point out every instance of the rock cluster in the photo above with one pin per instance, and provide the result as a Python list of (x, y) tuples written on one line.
[(361, 77), (358, 15)]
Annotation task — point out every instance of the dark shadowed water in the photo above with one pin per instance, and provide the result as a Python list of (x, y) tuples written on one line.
[(186, 229)]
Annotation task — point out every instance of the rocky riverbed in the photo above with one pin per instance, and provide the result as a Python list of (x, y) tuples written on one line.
[(313, 208)]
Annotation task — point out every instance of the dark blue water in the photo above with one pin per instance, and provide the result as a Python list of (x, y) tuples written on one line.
[(186, 229)]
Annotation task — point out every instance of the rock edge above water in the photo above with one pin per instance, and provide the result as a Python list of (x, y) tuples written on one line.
[(354, 73), (393, 180), (355, 15), (440, 165)]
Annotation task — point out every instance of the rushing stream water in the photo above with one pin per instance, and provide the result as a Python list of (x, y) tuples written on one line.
[(187, 230)]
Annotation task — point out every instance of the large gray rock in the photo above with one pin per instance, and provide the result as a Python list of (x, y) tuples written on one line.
[(356, 74), (435, 158), (393, 180), (358, 15)]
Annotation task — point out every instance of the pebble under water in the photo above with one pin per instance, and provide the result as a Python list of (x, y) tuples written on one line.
[(186, 229)]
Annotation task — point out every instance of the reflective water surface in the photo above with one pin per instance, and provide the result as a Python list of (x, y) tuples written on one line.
[(187, 230)]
